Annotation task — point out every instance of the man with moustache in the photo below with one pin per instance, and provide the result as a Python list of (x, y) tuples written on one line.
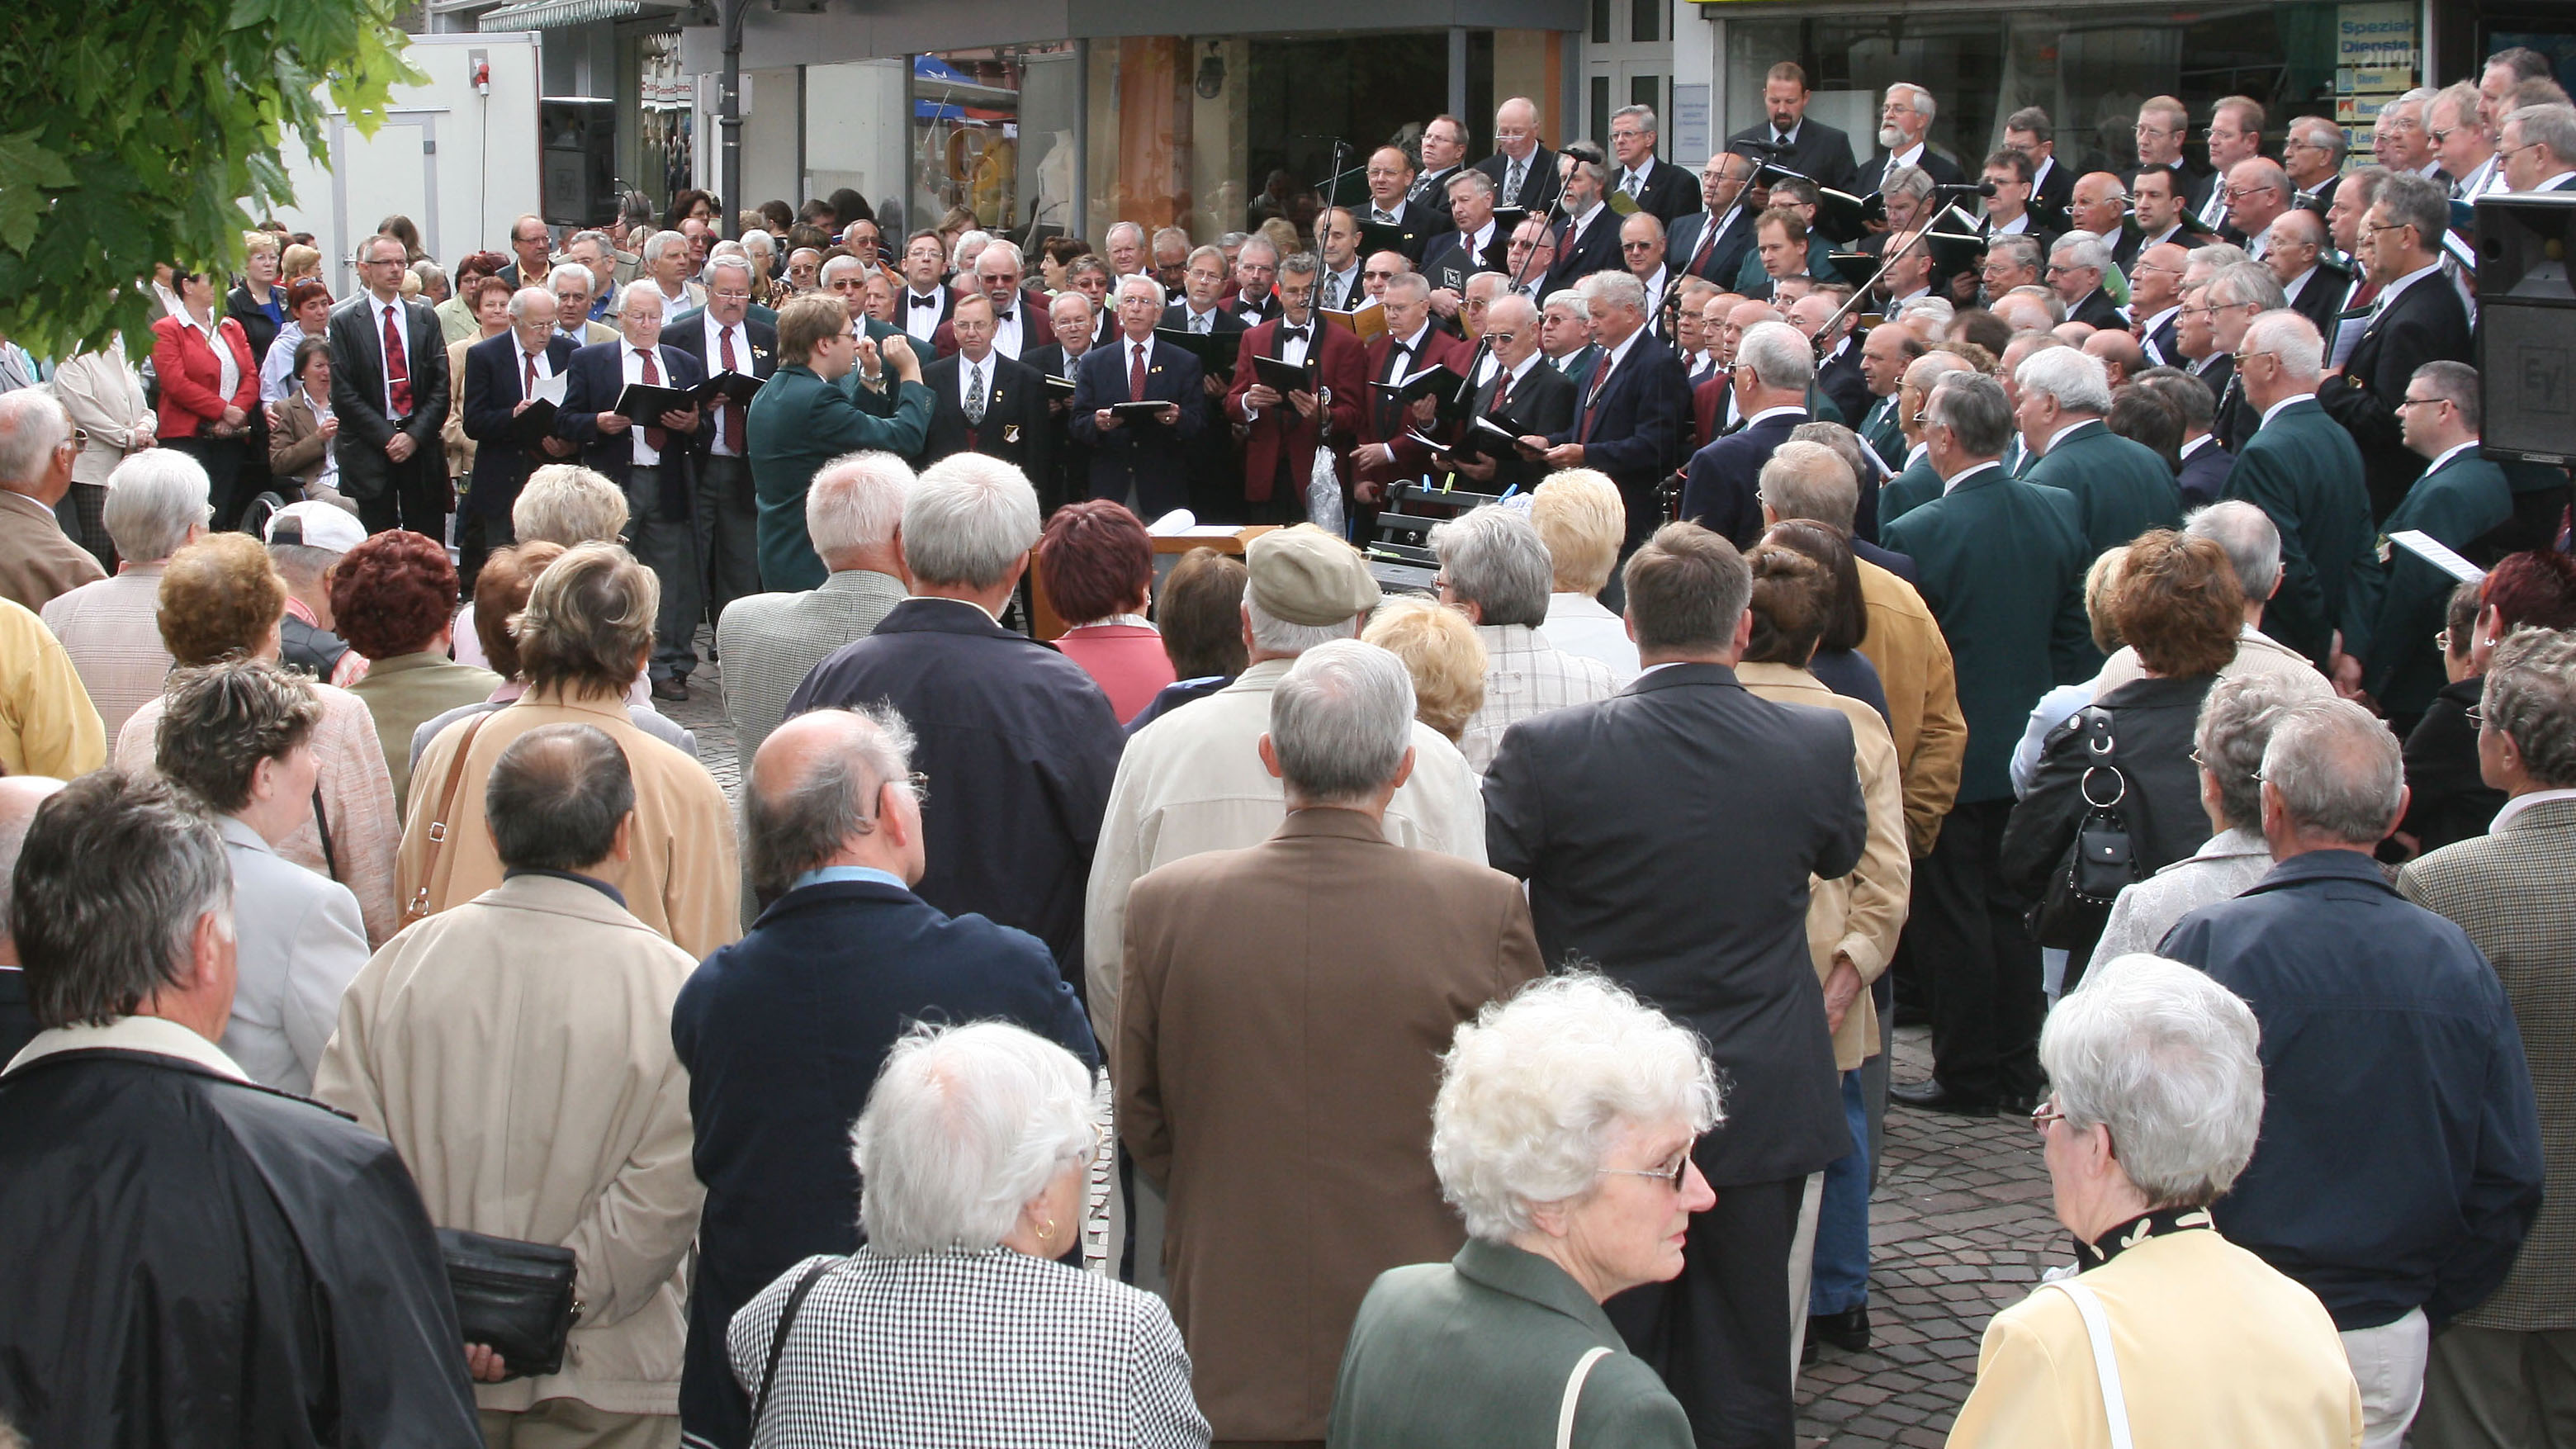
[(1019, 316), (1904, 120), (1256, 268), (1588, 238)]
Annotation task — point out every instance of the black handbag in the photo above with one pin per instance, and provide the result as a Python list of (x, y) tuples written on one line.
[(512, 1297), (2101, 861)]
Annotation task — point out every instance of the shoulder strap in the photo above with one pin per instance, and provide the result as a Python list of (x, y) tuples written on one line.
[(419, 906), (322, 824), (778, 1338), (1574, 1394), (2097, 1327)]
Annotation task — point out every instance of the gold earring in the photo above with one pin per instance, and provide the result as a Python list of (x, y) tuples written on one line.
[(1047, 1229)]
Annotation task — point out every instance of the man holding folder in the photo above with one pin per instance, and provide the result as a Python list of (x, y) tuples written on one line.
[(1285, 425)]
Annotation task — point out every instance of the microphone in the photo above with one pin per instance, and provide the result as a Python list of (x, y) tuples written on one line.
[(1967, 188)]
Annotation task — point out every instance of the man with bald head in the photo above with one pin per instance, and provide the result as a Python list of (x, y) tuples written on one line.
[(2257, 193), (2155, 300), (1524, 172), (2297, 257), (2099, 206), (19, 797), (2119, 354), (1525, 395), (782, 1032)]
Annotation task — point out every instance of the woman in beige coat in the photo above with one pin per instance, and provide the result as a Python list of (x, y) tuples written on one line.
[(105, 399), (582, 640), (301, 446), (517, 1052)]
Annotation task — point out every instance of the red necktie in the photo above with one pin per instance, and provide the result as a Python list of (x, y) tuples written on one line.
[(653, 436), (1707, 239), (1135, 372), (729, 412), (397, 367), (528, 388), (1592, 409), (1502, 396)]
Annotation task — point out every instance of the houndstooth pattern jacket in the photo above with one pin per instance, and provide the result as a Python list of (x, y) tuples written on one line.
[(960, 1350)]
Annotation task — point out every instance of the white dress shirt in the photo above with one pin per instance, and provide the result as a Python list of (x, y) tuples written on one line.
[(1950, 484), (227, 367), (742, 363), (646, 455), (274, 381), (379, 311), (919, 322), (1009, 332)]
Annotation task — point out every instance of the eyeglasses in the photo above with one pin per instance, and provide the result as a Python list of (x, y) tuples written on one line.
[(1501, 338), (917, 782), (2507, 153), (2443, 137), (2045, 1113), (2375, 229), (1672, 1175), (2417, 402), (1637, 246), (2442, 641), (2239, 193), (2476, 715)]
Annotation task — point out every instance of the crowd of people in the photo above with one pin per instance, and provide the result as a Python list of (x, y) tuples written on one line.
[(1255, 1000)]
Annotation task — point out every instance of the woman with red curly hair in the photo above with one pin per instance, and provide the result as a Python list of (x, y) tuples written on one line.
[(1098, 564), (394, 598), (2447, 799)]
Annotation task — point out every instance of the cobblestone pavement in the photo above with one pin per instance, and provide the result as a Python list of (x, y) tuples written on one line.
[(1960, 1227)]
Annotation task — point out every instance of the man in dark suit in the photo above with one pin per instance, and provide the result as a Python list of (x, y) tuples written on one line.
[(1385, 453), (1565, 336), (1475, 242), (1215, 462), (1661, 190), (650, 460), (922, 304), (783, 1031), (1524, 172), (1904, 120), (983, 402), (499, 371), (1444, 159), (1409, 224), (2077, 265), (1885, 353), (1282, 431), (2002, 563), (2461, 500), (2052, 186), (2120, 487), (2315, 286), (391, 399), (1075, 326), (1790, 141), (1019, 313), (1773, 366), (2420, 320), (1577, 804), (1632, 419), (2163, 125), (2307, 474), (2161, 218), (1525, 395), (1838, 376), (1713, 242), (724, 337), (1587, 240), (1256, 270), (1141, 462), (2205, 460)]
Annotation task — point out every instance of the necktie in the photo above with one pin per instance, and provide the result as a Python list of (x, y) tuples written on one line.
[(1707, 240), (1202, 322), (1385, 217), (1592, 408), (1632, 183), (1502, 396), (1135, 372), (1780, 138), (729, 412), (528, 385), (1512, 179), (397, 367), (974, 397), (654, 437)]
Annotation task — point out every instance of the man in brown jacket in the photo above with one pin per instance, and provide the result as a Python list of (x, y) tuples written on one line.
[(37, 452), (1279, 1047)]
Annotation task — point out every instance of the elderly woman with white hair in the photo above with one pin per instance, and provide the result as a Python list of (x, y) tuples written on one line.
[(1562, 1134), (158, 502), (955, 1324), (1582, 520), (2167, 1334)]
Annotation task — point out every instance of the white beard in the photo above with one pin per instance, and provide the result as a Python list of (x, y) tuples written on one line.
[(1891, 138)]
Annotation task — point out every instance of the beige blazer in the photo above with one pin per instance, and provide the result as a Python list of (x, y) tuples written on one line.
[(682, 879), (105, 398), (1922, 685), (1859, 915), (517, 1052)]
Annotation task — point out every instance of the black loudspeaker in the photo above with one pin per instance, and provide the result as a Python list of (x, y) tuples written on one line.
[(2527, 325), (577, 180)]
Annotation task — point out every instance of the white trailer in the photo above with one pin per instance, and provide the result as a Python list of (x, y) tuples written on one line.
[(458, 155)]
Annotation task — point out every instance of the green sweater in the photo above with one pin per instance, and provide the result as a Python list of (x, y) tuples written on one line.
[(798, 423)]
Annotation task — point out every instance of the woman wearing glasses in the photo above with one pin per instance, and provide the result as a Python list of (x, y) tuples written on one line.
[(1562, 1134), (2166, 1334)]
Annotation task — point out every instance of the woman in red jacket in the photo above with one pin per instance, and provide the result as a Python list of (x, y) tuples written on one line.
[(209, 384)]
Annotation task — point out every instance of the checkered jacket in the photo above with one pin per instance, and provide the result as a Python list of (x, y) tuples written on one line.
[(2508, 890), (1526, 675), (767, 643), (957, 1350)]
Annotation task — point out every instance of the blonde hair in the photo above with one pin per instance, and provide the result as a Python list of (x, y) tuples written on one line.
[(298, 261), (1442, 653), (2101, 582), (1582, 520), (258, 241)]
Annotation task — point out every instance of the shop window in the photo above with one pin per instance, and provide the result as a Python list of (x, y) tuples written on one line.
[(993, 140)]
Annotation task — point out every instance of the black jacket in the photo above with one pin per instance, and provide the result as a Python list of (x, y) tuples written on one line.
[(1624, 813), (1821, 153), (1151, 457), (203, 1263), (1020, 747), (1670, 192), (1725, 255), (2424, 323), (2451, 801), (1720, 494), (358, 395), (493, 382), (1017, 428), (1542, 403), (783, 1033), (2151, 743), (1595, 250), (1539, 181), (1642, 431)]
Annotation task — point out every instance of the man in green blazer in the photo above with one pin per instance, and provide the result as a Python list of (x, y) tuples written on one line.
[(802, 420), (2459, 499), (1916, 482), (2302, 469), (2121, 486), (2002, 562)]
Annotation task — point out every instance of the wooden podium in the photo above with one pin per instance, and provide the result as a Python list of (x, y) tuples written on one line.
[(1168, 548)]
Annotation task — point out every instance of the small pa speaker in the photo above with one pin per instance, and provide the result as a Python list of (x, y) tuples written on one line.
[(2527, 325)]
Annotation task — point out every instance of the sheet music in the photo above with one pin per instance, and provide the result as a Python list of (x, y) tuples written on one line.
[(550, 389)]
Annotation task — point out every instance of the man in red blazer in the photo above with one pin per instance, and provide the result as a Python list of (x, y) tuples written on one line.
[(1020, 319), (1411, 344), (1279, 451)]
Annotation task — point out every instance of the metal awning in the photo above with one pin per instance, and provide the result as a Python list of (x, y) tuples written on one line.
[(548, 14)]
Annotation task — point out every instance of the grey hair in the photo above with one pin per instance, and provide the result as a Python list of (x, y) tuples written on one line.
[(1135, 279), (555, 797), (1411, 284), (1938, 309), (526, 297), (1568, 300), (1341, 719), (1276, 636), (1812, 481), (1205, 251), (2337, 772), (15, 817), (837, 265), (2420, 203), (856, 501), (970, 243), (2078, 380), (1612, 289), (2084, 249), (1474, 180), (2457, 384), (2530, 698), (607, 248), (969, 519), (32, 426), (1302, 264), (964, 1126), (568, 504), (2236, 720), (2291, 338), (2324, 133), (1907, 181), (577, 276), (153, 499), (1109, 238), (1000, 246), (1170, 233), (2165, 1058), (2249, 538), (1920, 98), (659, 243), (736, 260), (757, 240), (2553, 126), (794, 826), (1972, 406), (1597, 171), (2024, 250), (1779, 355), (115, 873), (1494, 559), (1254, 241), (2238, 283), (1060, 298), (645, 285), (1536, 1089), (1643, 115)]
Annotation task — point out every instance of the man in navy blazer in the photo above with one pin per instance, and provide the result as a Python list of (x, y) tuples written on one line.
[(1713, 242), (783, 1031), (651, 462), (1632, 419), (498, 371), (1772, 369), (725, 515), (1587, 240), (1141, 463)]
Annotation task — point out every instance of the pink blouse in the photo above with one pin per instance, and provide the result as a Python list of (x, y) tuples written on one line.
[(1126, 660)]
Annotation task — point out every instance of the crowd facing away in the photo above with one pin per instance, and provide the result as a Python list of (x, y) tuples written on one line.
[(1278, 994)]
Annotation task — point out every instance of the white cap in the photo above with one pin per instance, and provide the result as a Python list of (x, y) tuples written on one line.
[(317, 525)]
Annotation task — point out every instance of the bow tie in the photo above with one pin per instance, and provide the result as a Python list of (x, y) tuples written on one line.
[(1003, 319), (1286, 332), (930, 301)]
